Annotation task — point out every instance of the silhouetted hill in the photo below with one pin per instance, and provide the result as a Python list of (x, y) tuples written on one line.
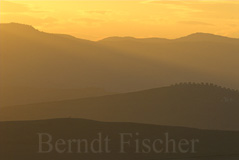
[(132, 39), (203, 106), (200, 52), (34, 59), (20, 140), (17, 28), (196, 37), (207, 37), (26, 95), (23, 30)]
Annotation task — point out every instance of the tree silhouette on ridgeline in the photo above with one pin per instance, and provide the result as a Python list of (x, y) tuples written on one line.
[(203, 85)]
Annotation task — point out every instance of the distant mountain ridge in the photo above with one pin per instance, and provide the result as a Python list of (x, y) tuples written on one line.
[(204, 106), (199, 36), (207, 37), (17, 27), (149, 40), (34, 59)]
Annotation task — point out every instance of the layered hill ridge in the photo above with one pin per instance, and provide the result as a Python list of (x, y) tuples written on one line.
[(34, 59), (200, 36), (133, 39), (203, 106), (17, 28)]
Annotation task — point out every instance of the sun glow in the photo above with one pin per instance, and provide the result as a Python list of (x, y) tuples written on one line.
[(99, 19)]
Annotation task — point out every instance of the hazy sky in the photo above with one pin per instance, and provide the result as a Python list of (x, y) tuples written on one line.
[(99, 19)]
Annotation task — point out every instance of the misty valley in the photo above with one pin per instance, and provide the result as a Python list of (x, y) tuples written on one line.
[(118, 98)]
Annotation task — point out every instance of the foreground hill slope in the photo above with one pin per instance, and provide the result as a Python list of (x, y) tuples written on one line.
[(190, 105), (20, 140)]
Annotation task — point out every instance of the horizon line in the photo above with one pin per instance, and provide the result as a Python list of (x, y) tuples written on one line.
[(126, 36)]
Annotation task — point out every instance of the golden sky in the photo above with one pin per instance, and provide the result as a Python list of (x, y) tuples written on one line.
[(95, 20)]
